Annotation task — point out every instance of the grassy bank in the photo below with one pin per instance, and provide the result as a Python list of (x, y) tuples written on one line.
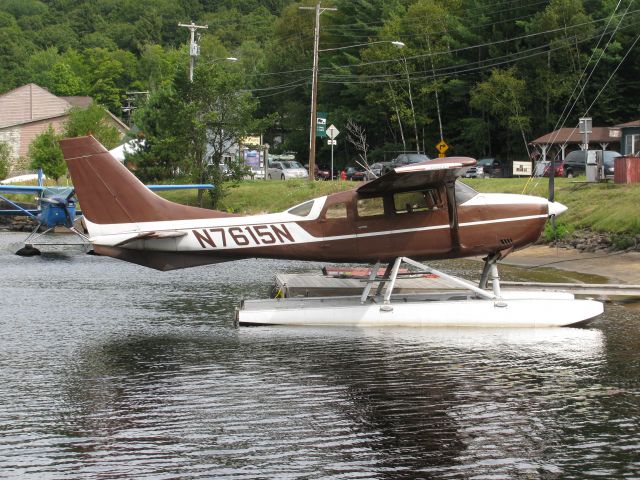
[(603, 207)]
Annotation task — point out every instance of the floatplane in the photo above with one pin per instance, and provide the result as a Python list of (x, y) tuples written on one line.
[(407, 216)]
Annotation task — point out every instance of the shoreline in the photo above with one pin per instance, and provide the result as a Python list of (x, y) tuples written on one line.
[(617, 267)]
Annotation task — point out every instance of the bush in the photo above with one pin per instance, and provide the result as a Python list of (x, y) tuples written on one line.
[(5, 161), (622, 242), (45, 153), (561, 231)]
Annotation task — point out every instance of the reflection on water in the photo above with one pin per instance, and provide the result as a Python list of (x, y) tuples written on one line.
[(117, 371)]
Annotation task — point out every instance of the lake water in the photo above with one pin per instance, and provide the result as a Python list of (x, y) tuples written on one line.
[(110, 370)]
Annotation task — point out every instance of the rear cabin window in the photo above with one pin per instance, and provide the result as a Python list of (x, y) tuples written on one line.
[(302, 210), (369, 207), (410, 202), (337, 210)]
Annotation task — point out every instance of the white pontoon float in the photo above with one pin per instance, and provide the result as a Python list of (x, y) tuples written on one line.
[(466, 305)]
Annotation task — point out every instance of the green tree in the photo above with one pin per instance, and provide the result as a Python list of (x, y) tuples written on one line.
[(93, 120), (15, 47), (5, 160), (194, 125), (159, 155), (45, 153), (503, 96)]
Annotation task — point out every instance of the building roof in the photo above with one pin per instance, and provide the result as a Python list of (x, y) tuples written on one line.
[(79, 101), (572, 135), (31, 103), (635, 123)]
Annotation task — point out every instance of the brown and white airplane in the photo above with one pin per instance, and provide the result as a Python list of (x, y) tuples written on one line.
[(418, 211)]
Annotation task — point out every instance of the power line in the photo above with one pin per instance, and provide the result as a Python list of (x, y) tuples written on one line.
[(361, 25), (471, 47), (446, 52), (444, 72)]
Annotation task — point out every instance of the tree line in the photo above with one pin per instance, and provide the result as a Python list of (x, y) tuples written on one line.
[(487, 76)]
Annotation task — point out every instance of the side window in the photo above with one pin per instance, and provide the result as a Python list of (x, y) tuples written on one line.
[(409, 202), (369, 207), (633, 145), (337, 210)]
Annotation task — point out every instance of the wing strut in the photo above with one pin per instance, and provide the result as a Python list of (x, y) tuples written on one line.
[(453, 214)]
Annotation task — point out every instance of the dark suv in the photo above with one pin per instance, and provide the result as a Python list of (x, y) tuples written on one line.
[(405, 159), (576, 162)]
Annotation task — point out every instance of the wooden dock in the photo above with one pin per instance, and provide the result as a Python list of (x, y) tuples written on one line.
[(318, 285)]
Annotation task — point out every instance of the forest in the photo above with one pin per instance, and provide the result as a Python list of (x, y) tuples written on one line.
[(487, 76)]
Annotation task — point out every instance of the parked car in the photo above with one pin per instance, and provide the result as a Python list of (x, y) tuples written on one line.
[(576, 162), (225, 171), (375, 170), (320, 174), (355, 174), (254, 173), (285, 170), (558, 170), (484, 168), (405, 159)]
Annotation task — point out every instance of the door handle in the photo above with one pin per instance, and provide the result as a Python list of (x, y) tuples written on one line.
[(362, 227)]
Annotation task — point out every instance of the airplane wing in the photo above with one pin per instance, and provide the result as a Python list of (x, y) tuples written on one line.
[(199, 186), (17, 189), (419, 175), (19, 213)]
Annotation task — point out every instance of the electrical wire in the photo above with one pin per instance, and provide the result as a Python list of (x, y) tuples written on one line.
[(443, 52), (449, 52), (450, 70)]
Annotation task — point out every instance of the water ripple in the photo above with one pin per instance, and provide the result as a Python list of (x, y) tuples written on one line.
[(111, 370)]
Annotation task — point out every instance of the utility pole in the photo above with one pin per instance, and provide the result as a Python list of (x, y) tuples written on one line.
[(314, 86), (194, 48), (132, 97)]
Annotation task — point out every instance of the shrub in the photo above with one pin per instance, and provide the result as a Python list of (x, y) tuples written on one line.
[(5, 161)]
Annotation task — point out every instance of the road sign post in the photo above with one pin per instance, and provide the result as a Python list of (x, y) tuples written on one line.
[(332, 133)]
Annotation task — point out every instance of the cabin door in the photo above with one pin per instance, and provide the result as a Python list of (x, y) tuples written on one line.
[(338, 231)]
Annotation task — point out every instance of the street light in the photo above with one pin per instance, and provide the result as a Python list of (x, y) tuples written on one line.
[(229, 59), (396, 43)]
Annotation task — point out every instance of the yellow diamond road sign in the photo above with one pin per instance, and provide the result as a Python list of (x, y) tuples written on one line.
[(442, 146)]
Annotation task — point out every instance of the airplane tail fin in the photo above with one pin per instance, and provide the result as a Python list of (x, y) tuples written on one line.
[(111, 194)]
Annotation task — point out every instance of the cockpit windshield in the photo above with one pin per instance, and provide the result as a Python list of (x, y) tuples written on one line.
[(464, 193)]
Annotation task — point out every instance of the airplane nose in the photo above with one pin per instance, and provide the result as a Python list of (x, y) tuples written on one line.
[(556, 208)]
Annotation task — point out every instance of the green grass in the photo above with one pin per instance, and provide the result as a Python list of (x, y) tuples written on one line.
[(258, 196), (603, 207)]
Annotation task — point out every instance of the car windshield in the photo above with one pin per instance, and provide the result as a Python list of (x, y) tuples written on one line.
[(416, 157), (609, 158), (485, 162), (291, 164)]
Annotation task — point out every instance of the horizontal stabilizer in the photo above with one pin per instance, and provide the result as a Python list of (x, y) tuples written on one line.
[(151, 236)]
